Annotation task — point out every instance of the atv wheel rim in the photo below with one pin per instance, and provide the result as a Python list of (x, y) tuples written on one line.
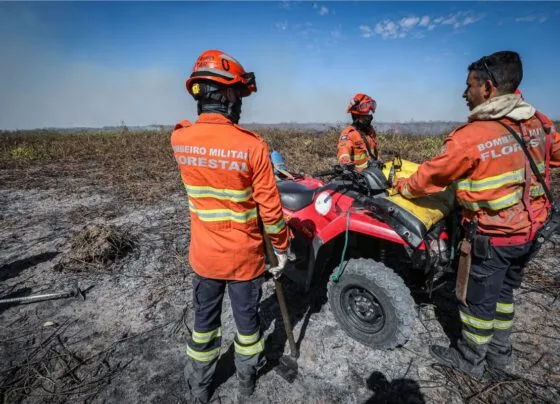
[(362, 309)]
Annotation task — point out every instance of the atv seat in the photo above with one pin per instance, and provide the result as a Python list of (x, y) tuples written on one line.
[(295, 196)]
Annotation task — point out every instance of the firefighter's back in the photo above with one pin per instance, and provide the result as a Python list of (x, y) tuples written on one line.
[(216, 163)]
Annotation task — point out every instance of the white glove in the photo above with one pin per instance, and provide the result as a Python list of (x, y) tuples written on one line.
[(282, 260)]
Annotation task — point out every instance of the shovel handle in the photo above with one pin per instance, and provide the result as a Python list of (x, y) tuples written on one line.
[(285, 317), (281, 299), (270, 251)]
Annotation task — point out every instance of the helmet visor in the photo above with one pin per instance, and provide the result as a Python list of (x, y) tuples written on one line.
[(366, 107), (250, 81)]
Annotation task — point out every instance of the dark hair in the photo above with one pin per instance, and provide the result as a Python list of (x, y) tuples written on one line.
[(503, 68)]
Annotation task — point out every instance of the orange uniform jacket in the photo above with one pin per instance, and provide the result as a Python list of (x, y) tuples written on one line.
[(488, 169), (229, 179), (351, 147)]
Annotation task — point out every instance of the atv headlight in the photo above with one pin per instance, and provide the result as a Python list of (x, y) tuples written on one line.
[(323, 203)]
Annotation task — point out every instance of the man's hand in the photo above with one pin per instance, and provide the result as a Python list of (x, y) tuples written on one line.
[(400, 187), (282, 258)]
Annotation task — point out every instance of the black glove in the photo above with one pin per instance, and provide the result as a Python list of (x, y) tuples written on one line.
[(347, 168)]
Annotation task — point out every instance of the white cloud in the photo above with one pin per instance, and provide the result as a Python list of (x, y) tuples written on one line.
[(409, 22), (416, 25), (531, 18), (449, 20), (425, 21), (322, 9), (387, 29), (469, 20), (365, 31)]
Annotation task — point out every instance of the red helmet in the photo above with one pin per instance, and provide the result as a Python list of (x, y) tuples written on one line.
[(219, 67), (361, 104)]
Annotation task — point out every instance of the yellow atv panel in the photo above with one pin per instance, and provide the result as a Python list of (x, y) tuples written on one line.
[(429, 209)]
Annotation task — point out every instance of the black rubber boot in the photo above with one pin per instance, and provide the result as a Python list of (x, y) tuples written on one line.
[(499, 352), (451, 357), (203, 398), (200, 397), (246, 386), (198, 393)]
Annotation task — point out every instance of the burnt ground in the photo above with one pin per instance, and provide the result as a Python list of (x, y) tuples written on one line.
[(126, 341)]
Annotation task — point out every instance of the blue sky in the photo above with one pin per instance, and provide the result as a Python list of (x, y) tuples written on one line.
[(100, 63)]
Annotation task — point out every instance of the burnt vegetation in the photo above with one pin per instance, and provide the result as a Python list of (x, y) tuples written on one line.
[(47, 363)]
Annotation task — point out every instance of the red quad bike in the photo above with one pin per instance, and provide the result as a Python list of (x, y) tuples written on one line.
[(372, 246)]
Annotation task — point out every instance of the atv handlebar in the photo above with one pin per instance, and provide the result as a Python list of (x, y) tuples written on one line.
[(367, 181)]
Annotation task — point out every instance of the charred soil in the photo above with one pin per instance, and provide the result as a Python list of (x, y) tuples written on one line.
[(109, 212)]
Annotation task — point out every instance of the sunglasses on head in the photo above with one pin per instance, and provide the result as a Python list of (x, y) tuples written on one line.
[(492, 78)]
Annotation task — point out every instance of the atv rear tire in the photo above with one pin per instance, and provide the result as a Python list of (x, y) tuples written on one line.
[(372, 304)]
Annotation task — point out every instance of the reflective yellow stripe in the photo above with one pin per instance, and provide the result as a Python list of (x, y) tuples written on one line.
[(205, 356), (511, 177), (234, 195), (251, 349), (217, 215), (504, 308), (536, 190), (342, 156), (503, 325), (276, 227), (477, 339), (248, 339), (476, 322), (204, 337), (496, 204), (497, 181), (360, 156), (363, 165)]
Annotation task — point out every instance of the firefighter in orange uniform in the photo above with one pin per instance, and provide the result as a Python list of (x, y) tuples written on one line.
[(502, 202), (230, 184), (357, 144)]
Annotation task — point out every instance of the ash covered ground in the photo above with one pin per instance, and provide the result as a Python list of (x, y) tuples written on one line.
[(126, 341)]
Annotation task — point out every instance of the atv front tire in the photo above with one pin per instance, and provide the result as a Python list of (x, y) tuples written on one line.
[(372, 304)]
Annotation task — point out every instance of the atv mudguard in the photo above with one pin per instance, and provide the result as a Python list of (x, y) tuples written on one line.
[(359, 223)]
